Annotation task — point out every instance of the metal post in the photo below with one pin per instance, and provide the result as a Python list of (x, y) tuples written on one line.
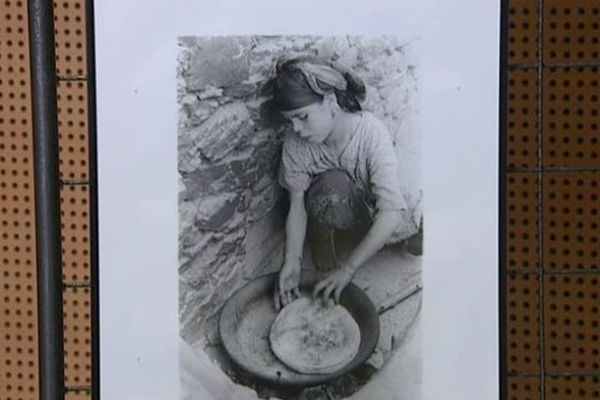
[(47, 199), (502, 202), (93, 185)]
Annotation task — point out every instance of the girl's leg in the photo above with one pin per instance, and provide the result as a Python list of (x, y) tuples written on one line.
[(337, 214)]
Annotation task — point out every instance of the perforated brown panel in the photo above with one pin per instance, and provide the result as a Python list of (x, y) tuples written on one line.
[(523, 118), (573, 388), (73, 130), (78, 395), (523, 32), (523, 324), (556, 149), (523, 223), (573, 323), (572, 31), (75, 234), (70, 33), (18, 298), (77, 333), (72, 93), (523, 389), (572, 216), (571, 134)]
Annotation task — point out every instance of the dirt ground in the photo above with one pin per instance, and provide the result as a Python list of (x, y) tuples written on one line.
[(400, 379)]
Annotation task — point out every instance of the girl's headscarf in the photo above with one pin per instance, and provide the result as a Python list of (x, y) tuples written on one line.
[(305, 80)]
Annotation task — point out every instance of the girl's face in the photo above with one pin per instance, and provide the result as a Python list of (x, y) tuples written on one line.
[(313, 122)]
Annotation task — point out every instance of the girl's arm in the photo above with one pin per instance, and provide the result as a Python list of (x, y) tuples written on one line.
[(383, 227), (382, 166), (286, 288)]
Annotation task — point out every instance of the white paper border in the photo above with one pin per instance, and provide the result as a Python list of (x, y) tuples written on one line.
[(136, 53)]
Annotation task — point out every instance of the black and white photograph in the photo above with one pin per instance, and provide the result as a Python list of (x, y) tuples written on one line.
[(300, 217), (298, 200)]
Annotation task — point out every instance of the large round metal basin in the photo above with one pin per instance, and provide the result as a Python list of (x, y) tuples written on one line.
[(246, 320)]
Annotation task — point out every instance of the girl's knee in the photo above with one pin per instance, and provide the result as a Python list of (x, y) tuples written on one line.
[(332, 200)]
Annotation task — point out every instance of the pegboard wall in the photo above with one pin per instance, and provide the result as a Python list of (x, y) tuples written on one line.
[(18, 276), (553, 183), (74, 157), (18, 301)]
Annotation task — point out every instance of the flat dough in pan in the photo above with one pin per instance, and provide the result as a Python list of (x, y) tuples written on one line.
[(312, 339)]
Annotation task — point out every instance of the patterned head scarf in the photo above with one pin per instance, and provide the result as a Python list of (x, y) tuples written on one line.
[(305, 80)]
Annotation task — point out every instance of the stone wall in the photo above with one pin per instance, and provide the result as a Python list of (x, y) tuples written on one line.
[(231, 208)]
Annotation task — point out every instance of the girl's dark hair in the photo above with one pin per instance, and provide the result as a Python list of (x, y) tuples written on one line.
[(356, 91), (348, 99)]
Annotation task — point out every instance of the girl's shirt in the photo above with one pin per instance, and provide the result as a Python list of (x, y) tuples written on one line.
[(369, 159)]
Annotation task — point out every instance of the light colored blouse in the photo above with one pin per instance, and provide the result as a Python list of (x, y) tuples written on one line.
[(369, 159)]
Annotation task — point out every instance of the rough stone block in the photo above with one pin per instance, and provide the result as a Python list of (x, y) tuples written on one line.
[(349, 57), (205, 181), (222, 131), (213, 212), (373, 101), (211, 92), (212, 279), (218, 61), (264, 242), (197, 111), (239, 171), (189, 158), (244, 170), (265, 195), (241, 90), (332, 47), (205, 254), (187, 211)]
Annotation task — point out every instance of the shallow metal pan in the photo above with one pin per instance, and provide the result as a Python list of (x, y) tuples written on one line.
[(246, 320)]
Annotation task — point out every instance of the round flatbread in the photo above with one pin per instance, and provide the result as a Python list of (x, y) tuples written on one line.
[(312, 339)]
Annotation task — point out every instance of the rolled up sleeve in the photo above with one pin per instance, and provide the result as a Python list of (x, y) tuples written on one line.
[(383, 172), (293, 174)]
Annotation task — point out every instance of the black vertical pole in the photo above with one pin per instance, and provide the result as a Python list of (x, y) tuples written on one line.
[(47, 199), (502, 200), (93, 184)]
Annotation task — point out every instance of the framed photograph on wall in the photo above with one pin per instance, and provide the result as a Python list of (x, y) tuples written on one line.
[(298, 200)]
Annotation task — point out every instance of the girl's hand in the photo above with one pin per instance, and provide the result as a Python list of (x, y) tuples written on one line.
[(286, 286), (333, 285), (383, 227)]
